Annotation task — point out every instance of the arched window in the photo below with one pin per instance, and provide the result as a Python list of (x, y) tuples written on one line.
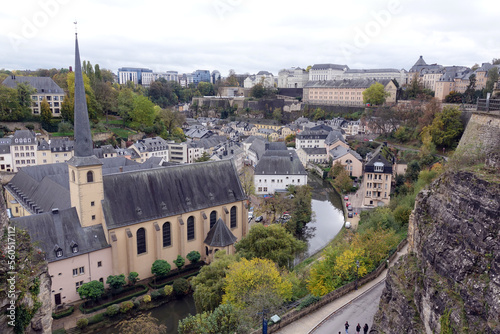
[(141, 241), (233, 217), (90, 176), (213, 218), (167, 241), (190, 228), (73, 175)]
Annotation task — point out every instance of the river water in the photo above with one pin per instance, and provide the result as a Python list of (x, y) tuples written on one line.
[(328, 219)]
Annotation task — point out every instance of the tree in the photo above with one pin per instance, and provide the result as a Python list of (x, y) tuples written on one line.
[(24, 92), (258, 91), (454, 97), (492, 78), (179, 262), (274, 243), (160, 268), (254, 285), (375, 94), (446, 127), (343, 182), (206, 89), (246, 180), (471, 89), (193, 256), (181, 286), (142, 323), (116, 282), (92, 290), (125, 103), (143, 112), (208, 284), (412, 171), (45, 114), (225, 319), (276, 205), (301, 208), (92, 105), (204, 157), (133, 277), (278, 114)]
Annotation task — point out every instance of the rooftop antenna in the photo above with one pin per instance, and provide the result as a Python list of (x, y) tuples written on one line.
[(76, 32)]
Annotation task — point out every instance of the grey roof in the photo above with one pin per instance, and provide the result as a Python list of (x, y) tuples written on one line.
[(321, 127), (5, 145), (198, 133), (308, 134), (41, 84), (220, 235), (376, 70), (83, 137), (378, 158), (151, 144), (208, 143), (333, 136), (346, 83), (264, 73), (62, 230), (275, 146), (340, 151), (327, 66), (421, 65), (56, 145), (314, 150), (23, 134), (134, 197), (258, 147), (279, 163)]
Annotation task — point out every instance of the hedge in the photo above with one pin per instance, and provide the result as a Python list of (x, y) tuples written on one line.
[(63, 314), (116, 301), (162, 285)]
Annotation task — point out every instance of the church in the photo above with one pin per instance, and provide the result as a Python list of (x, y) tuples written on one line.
[(98, 217)]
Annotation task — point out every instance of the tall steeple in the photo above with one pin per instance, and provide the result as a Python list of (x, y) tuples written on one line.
[(83, 137)]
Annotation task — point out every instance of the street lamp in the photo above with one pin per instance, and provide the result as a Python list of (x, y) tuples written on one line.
[(356, 282)]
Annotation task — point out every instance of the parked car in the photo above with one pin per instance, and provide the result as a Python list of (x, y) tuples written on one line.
[(259, 219), (347, 224), (349, 207), (349, 215), (346, 198)]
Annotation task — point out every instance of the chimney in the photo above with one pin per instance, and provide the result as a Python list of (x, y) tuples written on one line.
[(55, 211)]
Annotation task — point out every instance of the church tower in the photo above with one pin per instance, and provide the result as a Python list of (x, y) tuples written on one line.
[(85, 170)]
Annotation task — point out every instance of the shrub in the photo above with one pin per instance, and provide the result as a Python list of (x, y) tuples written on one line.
[(181, 286), (308, 301), (29, 126), (112, 310), (137, 302), (179, 262), (63, 314), (126, 306), (161, 292), (193, 256), (168, 289), (96, 318), (146, 298), (64, 127), (155, 294), (82, 323), (133, 277), (160, 268)]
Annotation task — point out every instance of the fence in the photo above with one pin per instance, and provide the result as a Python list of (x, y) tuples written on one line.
[(488, 105), (294, 315)]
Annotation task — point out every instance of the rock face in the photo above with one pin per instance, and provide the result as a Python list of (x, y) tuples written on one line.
[(32, 283), (450, 280)]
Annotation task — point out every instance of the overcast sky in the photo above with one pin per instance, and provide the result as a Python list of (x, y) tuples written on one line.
[(247, 35)]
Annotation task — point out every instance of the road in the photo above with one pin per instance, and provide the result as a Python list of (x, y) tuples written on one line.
[(360, 310)]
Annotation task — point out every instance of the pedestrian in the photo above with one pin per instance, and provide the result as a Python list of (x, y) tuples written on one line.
[(358, 328), (365, 328), (346, 327)]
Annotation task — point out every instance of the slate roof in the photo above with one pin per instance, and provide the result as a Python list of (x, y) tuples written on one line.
[(56, 145), (259, 147), (5, 145), (280, 163), (220, 235), (62, 230), (378, 158), (421, 64), (308, 134), (39, 83), (134, 197), (327, 66), (346, 83), (314, 150), (333, 136), (377, 70), (151, 144), (276, 146), (340, 151)]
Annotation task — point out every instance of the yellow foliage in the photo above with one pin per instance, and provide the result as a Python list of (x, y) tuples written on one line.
[(146, 298), (256, 277)]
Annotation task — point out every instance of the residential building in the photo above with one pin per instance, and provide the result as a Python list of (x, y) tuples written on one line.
[(23, 149), (138, 212), (344, 92), (311, 139), (5, 155), (400, 76), (316, 155), (322, 72), (55, 150), (294, 77), (264, 77), (377, 180), (45, 89), (151, 147), (351, 160), (276, 170), (334, 139)]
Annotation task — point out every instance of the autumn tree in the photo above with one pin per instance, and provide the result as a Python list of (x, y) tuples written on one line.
[(375, 94), (275, 205), (225, 319), (254, 285), (300, 208), (246, 179), (274, 243), (45, 114), (142, 323), (208, 284), (92, 105), (343, 182), (446, 127)]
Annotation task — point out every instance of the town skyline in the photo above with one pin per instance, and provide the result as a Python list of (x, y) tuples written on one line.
[(247, 36)]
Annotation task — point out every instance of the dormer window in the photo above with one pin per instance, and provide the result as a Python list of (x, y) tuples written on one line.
[(58, 250), (378, 167), (74, 247)]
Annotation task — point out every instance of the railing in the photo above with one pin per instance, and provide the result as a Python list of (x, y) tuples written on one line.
[(488, 105)]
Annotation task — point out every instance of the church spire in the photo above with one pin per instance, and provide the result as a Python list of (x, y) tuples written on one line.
[(83, 137)]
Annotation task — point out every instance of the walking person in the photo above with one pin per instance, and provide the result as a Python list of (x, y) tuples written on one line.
[(358, 328), (346, 327), (365, 329)]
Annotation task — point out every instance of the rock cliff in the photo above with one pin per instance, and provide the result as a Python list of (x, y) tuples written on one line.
[(29, 279), (450, 280)]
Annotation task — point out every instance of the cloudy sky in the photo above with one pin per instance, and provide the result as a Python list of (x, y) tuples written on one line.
[(248, 35)]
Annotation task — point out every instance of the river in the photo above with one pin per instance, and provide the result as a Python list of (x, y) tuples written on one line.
[(328, 219)]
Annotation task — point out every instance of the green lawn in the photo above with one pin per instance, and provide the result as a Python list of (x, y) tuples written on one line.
[(122, 133)]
